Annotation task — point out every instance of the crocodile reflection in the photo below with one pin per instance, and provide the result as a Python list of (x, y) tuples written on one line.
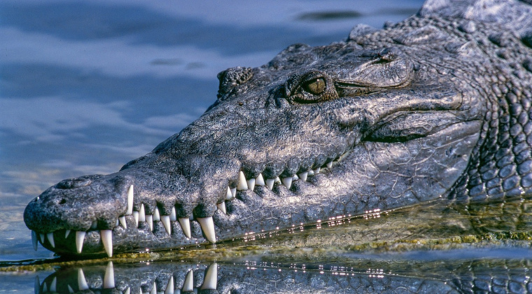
[(463, 276)]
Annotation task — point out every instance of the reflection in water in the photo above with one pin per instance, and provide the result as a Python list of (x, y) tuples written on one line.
[(462, 276)]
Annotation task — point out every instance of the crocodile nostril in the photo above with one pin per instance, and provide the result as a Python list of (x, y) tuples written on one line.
[(63, 201)]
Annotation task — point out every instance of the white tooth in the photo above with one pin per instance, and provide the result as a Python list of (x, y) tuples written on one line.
[(136, 216), (170, 286), (251, 184), (221, 206), (70, 290), (149, 220), (233, 191), (50, 237), (37, 285), (109, 278), (53, 286), (242, 183), (123, 222), (288, 182), (173, 214), (260, 180), (229, 195), (42, 238), (295, 178), (211, 278), (142, 214), (329, 165), (165, 219), (130, 201), (67, 232), (44, 287), (80, 237), (269, 183), (117, 223), (207, 225), (128, 291), (34, 240), (317, 171), (277, 180), (185, 225), (156, 215), (303, 176), (82, 283), (188, 286), (154, 288), (94, 225), (310, 172), (107, 240)]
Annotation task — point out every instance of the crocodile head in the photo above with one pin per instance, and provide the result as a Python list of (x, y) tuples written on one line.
[(318, 132)]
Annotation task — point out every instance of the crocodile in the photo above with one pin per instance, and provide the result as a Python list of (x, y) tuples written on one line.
[(433, 108)]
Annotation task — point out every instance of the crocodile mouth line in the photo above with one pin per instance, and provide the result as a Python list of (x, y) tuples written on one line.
[(141, 220)]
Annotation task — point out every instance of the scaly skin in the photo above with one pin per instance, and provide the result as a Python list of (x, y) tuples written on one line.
[(437, 106)]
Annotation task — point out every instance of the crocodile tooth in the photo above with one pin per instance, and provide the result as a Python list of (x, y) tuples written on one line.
[(127, 291), (251, 184), (50, 237), (221, 206), (165, 219), (37, 285), (123, 222), (170, 286), (107, 240), (269, 183), (173, 215), (82, 283), (70, 290), (67, 232), (317, 171), (34, 240), (211, 278), (259, 181), (303, 176), (94, 225), (288, 182), (207, 226), (130, 200), (117, 223), (242, 183), (154, 288), (136, 216), (149, 220), (185, 225), (44, 287), (109, 277), (80, 237), (310, 172), (329, 165), (295, 178), (156, 215), (42, 238), (188, 285), (142, 214), (277, 180), (229, 195), (53, 285), (233, 191)]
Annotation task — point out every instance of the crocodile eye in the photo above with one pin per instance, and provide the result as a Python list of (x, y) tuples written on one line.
[(315, 86)]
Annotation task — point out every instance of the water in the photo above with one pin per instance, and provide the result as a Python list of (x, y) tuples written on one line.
[(87, 86)]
